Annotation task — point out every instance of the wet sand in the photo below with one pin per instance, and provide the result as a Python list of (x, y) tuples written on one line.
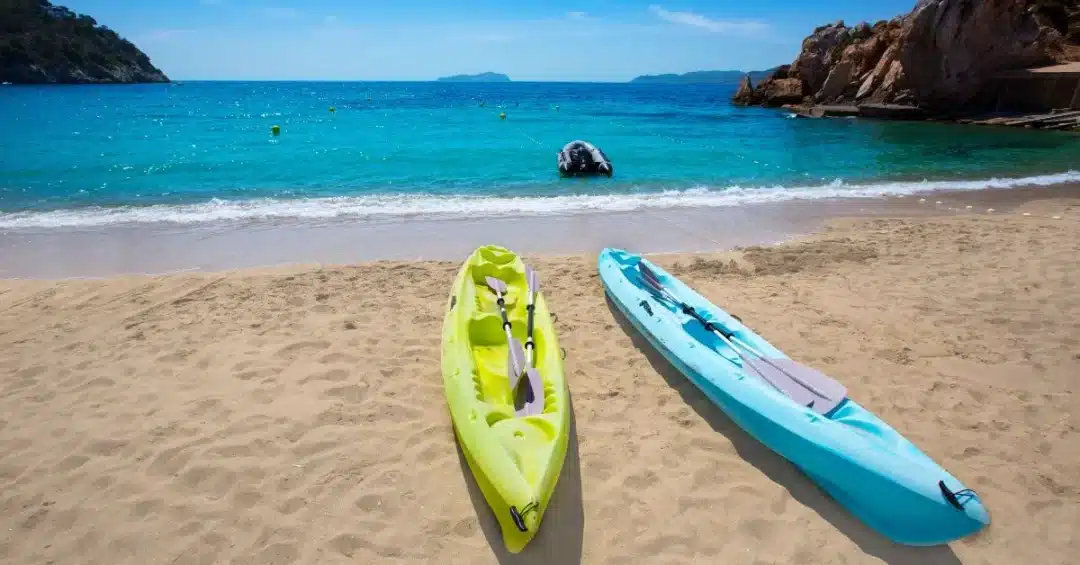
[(164, 248)]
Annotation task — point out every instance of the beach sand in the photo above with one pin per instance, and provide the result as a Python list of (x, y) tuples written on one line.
[(296, 415)]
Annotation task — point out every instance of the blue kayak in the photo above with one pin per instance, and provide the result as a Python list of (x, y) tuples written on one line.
[(864, 464)]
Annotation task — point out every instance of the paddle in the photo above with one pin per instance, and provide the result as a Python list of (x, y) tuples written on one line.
[(531, 399), (806, 386), (515, 359)]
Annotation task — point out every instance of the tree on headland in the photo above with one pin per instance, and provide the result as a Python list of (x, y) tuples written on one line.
[(43, 43)]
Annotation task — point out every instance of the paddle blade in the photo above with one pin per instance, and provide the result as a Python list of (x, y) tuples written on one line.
[(796, 382), (497, 285), (820, 384), (650, 278), (515, 362), (533, 280), (530, 398)]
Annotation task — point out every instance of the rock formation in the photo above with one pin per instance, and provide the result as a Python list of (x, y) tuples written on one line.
[(43, 43), (744, 96), (941, 57)]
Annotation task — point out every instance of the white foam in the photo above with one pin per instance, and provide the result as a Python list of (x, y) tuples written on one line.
[(427, 205)]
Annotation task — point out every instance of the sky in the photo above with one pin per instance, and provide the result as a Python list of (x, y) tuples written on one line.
[(530, 40)]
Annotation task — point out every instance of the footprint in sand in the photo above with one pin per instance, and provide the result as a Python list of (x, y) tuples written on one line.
[(308, 450), (213, 480), (247, 498), (268, 394), (353, 394), (170, 461), (302, 348), (107, 447), (278, 554), (71, 463), (641, 481), (93, 383), (8, 473), (204, 406), (30, 372), (292, 505), (336, 358), (175, 357), (333, 375)]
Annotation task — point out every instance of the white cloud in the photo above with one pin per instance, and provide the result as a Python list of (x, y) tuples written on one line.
[(281, 13), (709, 24), (577, 15)]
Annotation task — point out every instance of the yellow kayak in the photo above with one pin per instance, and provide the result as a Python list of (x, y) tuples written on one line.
[(514, 440)]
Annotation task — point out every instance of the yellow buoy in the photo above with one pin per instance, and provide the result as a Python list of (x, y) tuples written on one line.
[(502, 115), (276, 130)]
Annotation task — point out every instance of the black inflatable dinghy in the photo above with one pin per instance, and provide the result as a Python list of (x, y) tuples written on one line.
[(581, 158)]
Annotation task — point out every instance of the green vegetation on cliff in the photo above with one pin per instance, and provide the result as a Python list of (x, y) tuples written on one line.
[(43, 43)]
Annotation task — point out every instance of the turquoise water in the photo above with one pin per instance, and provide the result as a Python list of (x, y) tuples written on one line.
[(94, 155)]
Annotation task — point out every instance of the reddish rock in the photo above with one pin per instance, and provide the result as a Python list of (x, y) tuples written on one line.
[(891, 83), (838, 80), (863, 55), (866, 88), (942, 56), (745, 95), (816, 58), (952, 49), (782, 91)]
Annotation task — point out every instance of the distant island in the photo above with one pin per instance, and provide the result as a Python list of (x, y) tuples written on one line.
[(482, 77), (41, 43), (702, 77)]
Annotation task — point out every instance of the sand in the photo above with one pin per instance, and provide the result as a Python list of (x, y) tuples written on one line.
[(296, 415)]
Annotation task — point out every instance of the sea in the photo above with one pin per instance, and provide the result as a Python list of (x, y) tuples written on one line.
[(198, 152)]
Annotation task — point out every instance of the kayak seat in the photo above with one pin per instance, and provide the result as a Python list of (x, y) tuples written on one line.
[(485, 329)]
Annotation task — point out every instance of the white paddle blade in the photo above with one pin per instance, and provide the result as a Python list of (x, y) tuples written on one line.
[(515, 362), (532, 395), (819, 383), (650, 279), (780, 376), (496, 284), (533, 280)]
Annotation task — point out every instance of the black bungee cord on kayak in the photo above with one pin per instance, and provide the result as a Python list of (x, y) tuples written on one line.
[(519, 516), (953, 498)]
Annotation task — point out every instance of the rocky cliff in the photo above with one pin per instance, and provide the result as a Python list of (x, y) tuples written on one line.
[(940, 57), (43, 43)]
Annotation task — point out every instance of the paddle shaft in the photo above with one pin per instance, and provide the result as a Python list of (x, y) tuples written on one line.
[(530, 345), (534, 287), (502, 312)]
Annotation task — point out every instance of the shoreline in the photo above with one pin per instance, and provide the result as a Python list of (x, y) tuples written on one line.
[(296, 415), (162, 248)]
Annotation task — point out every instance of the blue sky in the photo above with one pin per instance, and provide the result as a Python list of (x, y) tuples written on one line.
[(597, 40)]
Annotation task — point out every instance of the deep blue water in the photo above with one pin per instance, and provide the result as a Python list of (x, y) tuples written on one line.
[(89, 155)]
